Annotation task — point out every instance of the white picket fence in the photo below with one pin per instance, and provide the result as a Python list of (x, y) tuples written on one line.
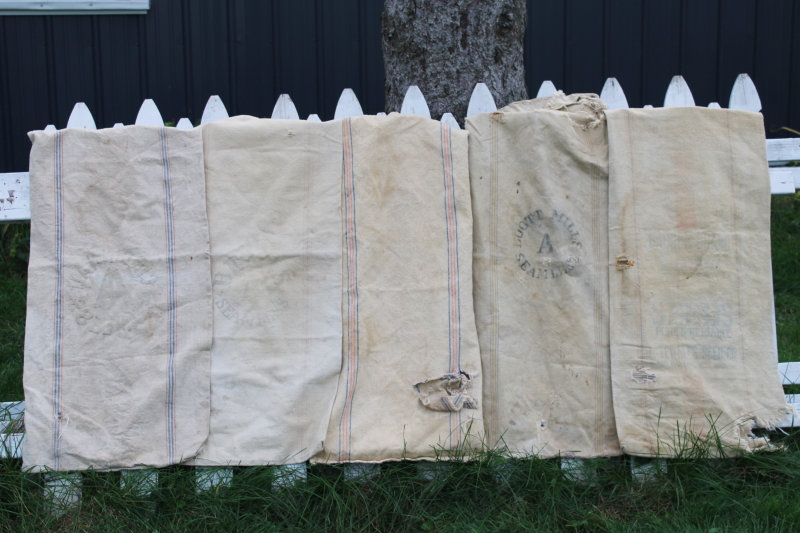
[(64, 488)]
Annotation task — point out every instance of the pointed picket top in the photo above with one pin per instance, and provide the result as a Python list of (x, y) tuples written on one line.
[(414, 103), (450, 120), (117, 125), (613, 96), (313, 118), (348, 105), (648, 106), (714, 105), (184, 124), (380, 114), (284, 108), (49, 127), (744, 95), (215, 110), (546, 89), (81, 118), (481, 100), (678, 94), (149, 115)]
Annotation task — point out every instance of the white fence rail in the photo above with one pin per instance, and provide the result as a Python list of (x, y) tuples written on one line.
[(64, 489)]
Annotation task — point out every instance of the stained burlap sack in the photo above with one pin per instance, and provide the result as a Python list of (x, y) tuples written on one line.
[(691, 295), (411, 370), (274, 206), (539, 174), (119, 299)]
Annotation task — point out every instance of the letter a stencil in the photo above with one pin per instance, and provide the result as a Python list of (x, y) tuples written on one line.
[(546, 247)]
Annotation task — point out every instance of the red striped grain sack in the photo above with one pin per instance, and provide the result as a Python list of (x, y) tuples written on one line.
[(274, 207), (539, 174), (119, 300), (692, 346), (410, 381)]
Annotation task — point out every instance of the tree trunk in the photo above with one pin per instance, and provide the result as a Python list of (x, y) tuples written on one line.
[(447, 46)]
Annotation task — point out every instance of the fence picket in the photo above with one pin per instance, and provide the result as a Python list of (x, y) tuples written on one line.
[(207, 478), (613, 96), (714, 105), (149, 115), (49, 127), (288, 475), (141, 483), (414, 103), (547, 88), (744, 95), (214, 110), (348, 105), (313, 118), (184, 124), (678, 94), (62, 491), (81, 118), (648, 106), (284, 108), (450, 120), (118, 125), (481, 100), (380, 114)]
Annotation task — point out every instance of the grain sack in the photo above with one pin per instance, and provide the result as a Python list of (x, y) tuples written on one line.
[(539, 174), (410, 380), (119, 299), (274, 192), (693, 357)]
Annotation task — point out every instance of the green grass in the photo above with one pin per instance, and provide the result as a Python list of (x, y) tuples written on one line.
[(759, 492)]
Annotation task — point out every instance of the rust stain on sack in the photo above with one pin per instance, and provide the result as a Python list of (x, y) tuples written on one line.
[(624, 262)]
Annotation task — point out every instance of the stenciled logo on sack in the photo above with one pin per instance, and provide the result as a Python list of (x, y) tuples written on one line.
[(236, 304), (549, 245)]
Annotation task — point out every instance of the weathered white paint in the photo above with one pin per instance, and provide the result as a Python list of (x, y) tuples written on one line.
[(644, 469), (49, 127), (184, 124), (313, 118), (578, 470), (11, 414), (782, 150), (141, 483), (285, 109), (784, 180), (215, 110), (287, 475), (481, 100), (361, 471), (792, 420), (790, 373), (450, 120), (744, 95), (208, 478), (433, 471), (547, 88), (81, 118), (414, 103), (74, 7), (62, 491), (714, 105), (15, 199), (149, 115), (678, 94), (348, 105), (613, 96)]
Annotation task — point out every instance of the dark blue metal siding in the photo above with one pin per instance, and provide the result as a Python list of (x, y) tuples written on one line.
[(250, 51)]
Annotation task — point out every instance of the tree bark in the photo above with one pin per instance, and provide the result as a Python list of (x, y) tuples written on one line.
[(447, 46)]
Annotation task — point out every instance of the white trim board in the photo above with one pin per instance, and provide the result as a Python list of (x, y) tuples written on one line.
[(73, 7)]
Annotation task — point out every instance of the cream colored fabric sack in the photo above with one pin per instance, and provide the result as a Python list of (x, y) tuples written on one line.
[(274, 206), (693, 355), (411, 370), (539, 174), (119, 299)]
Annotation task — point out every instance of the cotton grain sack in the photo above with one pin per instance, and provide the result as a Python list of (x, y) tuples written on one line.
[(119, 299), (274, 192), (693, 358), (539, 174), (411, 372)]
